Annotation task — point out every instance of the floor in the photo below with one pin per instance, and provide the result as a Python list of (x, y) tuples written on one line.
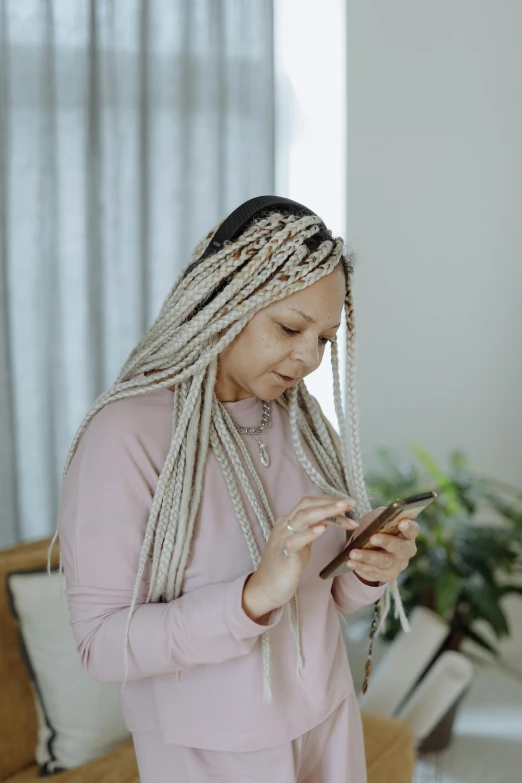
[(487, 746)]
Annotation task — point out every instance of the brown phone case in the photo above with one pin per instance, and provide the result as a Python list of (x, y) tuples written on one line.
[(387, 522)]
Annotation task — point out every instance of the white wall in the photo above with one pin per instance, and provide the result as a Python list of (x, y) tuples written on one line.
[(310, 129), (435, 213)]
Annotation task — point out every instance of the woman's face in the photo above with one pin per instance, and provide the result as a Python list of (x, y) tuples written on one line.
[(248, 367)]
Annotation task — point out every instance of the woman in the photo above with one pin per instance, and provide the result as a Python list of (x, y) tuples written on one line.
[(184, 535)]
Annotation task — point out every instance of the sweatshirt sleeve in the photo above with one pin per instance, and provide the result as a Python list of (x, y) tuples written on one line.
[(104, 508), (207, 625), (350, 594)]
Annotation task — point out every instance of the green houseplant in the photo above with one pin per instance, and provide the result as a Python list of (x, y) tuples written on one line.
[(469, 550), (463, 566)]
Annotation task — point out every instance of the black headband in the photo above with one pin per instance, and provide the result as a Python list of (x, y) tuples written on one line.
[(235, 223)]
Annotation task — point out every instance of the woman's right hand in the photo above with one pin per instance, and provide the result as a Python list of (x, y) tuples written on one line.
[(277, 576)]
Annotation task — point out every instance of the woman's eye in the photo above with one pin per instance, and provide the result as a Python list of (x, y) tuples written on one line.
[(324, 340)]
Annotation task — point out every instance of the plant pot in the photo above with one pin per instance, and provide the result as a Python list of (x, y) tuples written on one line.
[(441, 735)]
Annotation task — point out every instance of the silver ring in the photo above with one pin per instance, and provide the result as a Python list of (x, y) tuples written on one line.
[(289, 526), (289, 554)]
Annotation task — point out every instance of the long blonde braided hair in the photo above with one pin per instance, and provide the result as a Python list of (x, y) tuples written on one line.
[(278, 254)]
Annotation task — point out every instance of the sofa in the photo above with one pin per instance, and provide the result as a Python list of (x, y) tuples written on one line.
[(390, 749)]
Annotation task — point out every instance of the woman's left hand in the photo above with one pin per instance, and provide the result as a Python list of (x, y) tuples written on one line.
[(373, 566)]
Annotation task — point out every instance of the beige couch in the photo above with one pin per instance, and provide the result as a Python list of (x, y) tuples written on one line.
[(389, 746)]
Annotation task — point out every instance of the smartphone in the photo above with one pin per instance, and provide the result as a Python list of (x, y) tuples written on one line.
[(387, 522)]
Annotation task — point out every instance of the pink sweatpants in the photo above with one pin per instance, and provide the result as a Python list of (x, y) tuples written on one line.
[(332, 752)]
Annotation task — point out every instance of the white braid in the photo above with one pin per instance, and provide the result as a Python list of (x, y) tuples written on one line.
[(250, 465), (254, 554), (244, 522), (342, 423), (277, 255), (303, 459), (192, 487), (326, 465), (363, 504), (240, 471), (309, 404)]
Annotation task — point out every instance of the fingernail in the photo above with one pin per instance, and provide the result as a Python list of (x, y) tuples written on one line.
[(319, 528), (404, 525), (355, 555)]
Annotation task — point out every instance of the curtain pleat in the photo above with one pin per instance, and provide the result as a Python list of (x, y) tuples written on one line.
[(126, 130)]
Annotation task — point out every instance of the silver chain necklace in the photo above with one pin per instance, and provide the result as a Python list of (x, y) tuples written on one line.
[(263, 453)]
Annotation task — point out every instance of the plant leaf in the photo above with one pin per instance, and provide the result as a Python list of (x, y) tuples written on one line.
[(401, 468), (486, 600), (501, 486), (458, 461), (444, 482), (448, 587), (504, 509)]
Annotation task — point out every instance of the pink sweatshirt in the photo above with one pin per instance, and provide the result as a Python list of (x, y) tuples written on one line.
[(195, 664)]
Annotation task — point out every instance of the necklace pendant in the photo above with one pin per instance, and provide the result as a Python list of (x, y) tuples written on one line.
[(263, 454)]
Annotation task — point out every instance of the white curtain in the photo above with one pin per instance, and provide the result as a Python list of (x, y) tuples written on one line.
[(127, 128)]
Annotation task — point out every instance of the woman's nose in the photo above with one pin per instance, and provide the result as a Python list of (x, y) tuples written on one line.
[(308, 355)]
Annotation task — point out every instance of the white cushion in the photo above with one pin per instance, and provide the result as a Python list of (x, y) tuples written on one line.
[(79, 719)]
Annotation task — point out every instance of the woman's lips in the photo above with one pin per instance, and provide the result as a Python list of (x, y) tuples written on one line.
[(283, 380)]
